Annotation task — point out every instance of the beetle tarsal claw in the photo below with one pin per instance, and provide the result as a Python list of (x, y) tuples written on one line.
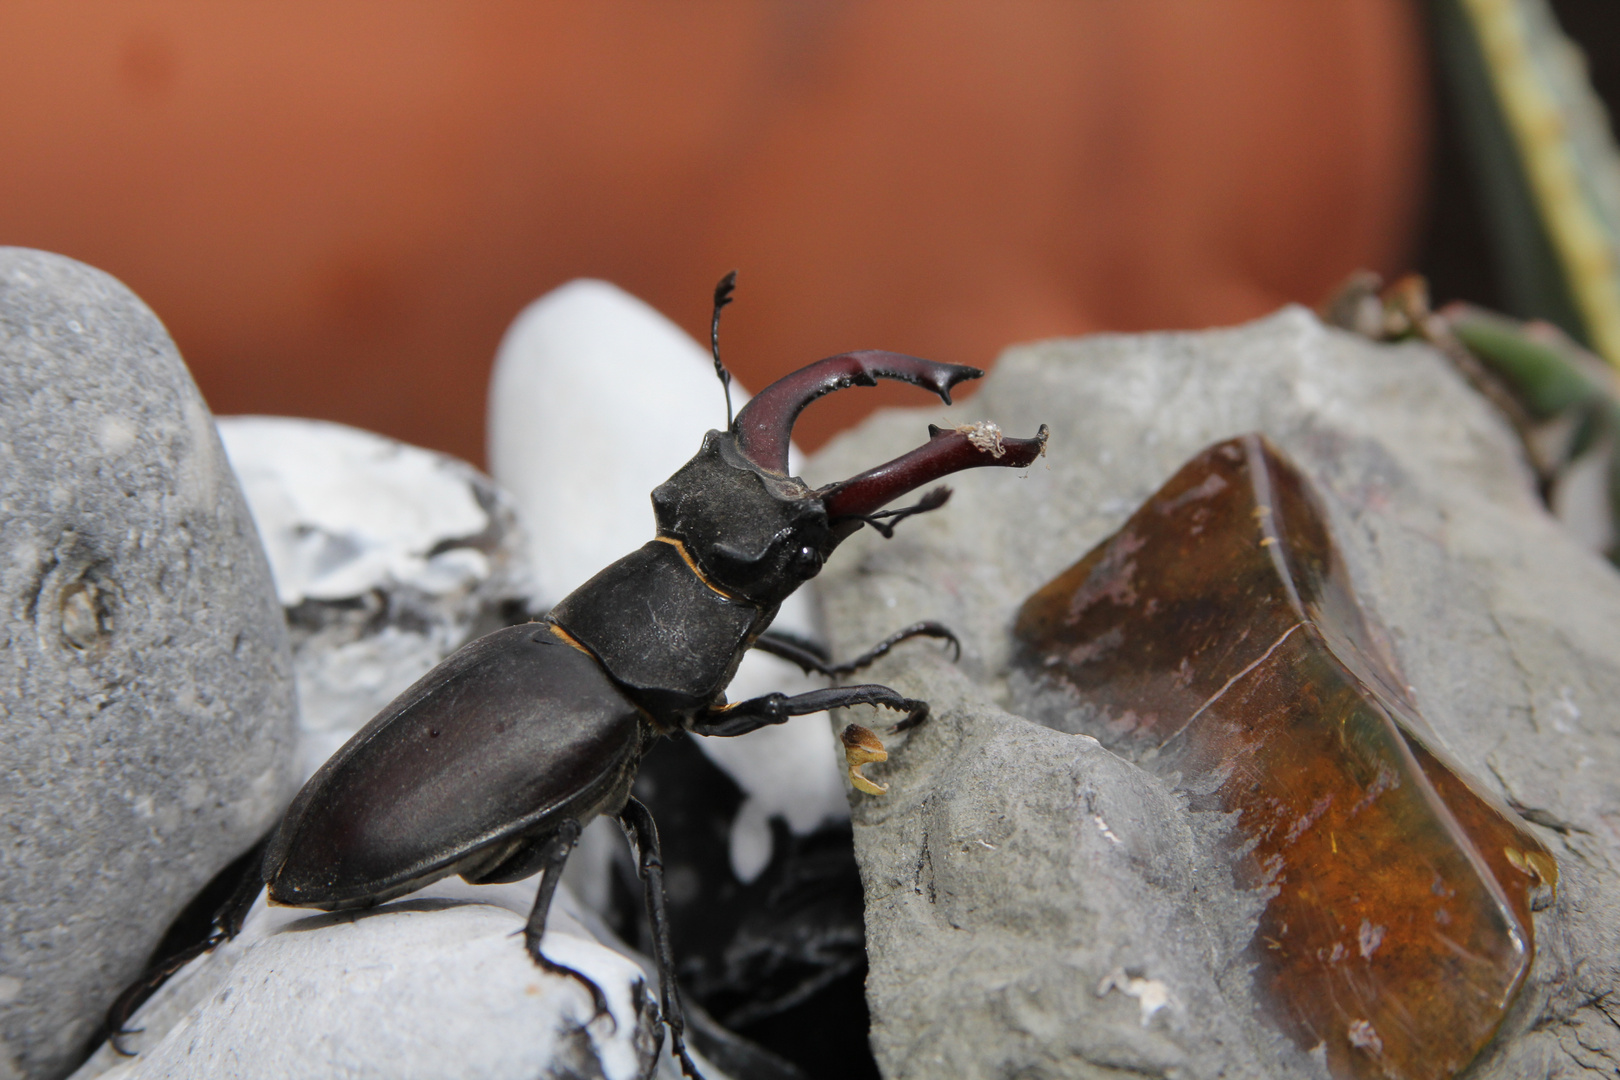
[(860, 747)]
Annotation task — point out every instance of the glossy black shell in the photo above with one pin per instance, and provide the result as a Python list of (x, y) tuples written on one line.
[(669, 639), (462, 773)]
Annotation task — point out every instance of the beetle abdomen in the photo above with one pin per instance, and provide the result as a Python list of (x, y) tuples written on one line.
[(512, 734)]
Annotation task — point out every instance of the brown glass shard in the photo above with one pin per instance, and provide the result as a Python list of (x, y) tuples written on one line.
[(1216, 641)]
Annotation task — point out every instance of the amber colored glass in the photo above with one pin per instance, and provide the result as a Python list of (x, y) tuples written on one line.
[(1216, 641)]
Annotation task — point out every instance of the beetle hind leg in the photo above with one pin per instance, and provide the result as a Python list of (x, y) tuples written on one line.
[(554, 855), (637, 822), (136, 994), (225, 925)]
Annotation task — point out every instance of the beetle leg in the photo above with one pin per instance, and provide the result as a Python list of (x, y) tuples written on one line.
[(797, 651), (790, 646), (793, 651), (136, 994), (755, 713), (637, 822), (557, 850), (932, 501), (226, 924)]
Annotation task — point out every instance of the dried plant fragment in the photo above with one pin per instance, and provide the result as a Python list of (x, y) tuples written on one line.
[(1216, 641), (986, 436)]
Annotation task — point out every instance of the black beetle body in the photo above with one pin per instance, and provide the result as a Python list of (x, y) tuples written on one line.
[(432, 787), (490, 765)]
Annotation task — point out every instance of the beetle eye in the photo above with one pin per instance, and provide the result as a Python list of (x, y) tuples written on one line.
[(807, 561)]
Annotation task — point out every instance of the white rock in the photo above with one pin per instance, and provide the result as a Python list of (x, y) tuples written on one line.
[(435, 985), (385, 556), (788, 771), (595, 400), (340, 509)]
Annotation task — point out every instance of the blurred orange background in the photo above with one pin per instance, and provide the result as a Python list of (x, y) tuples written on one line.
[(338, 207)]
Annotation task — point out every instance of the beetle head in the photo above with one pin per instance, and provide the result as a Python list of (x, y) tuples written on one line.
[(758, 533), (752, 533)]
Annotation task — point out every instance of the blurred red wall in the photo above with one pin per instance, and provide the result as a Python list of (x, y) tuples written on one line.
[(337, 207)]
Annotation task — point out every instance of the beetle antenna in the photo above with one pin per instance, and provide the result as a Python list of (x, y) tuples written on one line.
[(722, 297)]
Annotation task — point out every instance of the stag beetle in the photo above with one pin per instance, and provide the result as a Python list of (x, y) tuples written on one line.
[(491, 764)]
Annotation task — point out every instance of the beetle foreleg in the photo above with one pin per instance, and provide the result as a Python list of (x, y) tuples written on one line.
[(755, 713), (637, 822), (809, 658), (557, 850)]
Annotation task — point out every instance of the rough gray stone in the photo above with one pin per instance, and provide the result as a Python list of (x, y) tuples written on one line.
[(146, 687), (1039, 907)]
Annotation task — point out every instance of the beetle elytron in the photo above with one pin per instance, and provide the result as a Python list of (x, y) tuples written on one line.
[(490, 765)]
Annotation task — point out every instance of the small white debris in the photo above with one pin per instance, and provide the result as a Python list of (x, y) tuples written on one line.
[(984, 435), (1370, 938), (1565, 713), (1363, 1036), (1151, 994)]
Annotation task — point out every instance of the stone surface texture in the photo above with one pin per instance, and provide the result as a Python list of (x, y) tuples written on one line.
[(1038, 906), (435, 985), (146, 695), (387, 558)]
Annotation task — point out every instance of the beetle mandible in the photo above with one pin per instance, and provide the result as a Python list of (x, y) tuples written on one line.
[(491, 764)]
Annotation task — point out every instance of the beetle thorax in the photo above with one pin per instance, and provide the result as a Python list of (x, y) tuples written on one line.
[(754, 534)]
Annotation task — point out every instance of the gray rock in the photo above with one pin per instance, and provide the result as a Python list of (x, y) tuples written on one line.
[(146, 696), (1037, 906)]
